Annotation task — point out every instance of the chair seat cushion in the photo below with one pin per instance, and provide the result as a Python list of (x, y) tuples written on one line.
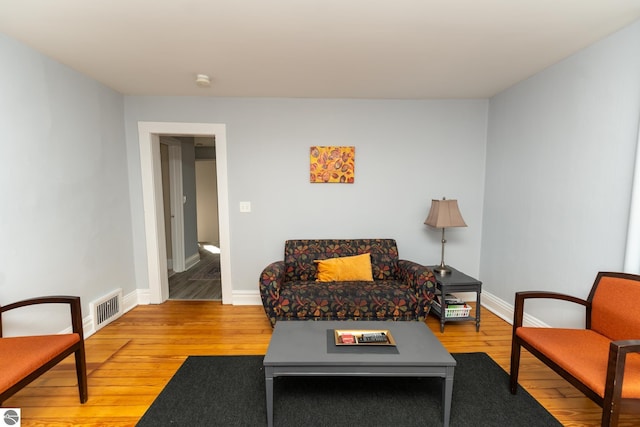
[(20, 356), (380, 299), (584, 354)]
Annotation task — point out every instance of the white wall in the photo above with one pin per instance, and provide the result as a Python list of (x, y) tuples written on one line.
[(207, 201), (407, 152), (64, 220), (560, 154)]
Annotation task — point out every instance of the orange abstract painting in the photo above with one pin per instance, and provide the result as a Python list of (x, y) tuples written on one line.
[(332, 164)]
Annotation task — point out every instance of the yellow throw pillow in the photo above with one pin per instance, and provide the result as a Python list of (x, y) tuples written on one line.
[(343, 269)]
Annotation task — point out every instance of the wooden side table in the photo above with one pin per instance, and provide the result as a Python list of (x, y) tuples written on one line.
[(456, 282)]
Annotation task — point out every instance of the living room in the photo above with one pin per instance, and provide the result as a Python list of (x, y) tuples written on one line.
[(542, 170)]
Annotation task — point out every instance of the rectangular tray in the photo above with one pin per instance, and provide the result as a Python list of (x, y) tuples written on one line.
[(358, 332)]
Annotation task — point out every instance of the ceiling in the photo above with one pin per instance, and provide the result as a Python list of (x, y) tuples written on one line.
[(410, 49)]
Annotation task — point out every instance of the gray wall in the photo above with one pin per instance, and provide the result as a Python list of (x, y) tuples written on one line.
[(559, 151), (65, 219), (560, 154), (407, 152)]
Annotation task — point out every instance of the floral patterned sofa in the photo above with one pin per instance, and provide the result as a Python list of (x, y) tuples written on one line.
[(401, 289)]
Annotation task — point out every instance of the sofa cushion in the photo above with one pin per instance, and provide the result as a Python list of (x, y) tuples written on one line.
[(376, 300), (343, 269), (299, 256), (584, 354)]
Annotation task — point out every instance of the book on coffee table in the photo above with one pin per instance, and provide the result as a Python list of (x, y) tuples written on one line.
[(364, 337)]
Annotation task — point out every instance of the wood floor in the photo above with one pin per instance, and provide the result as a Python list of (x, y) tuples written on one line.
[(133, 358), (191, 285)]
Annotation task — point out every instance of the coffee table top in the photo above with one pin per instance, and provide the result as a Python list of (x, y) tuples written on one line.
[(307, 343)]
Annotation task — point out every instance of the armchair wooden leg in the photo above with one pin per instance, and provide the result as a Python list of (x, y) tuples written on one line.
[(609, 416), (613, 386), (81, 373), (515, 365), (610, 412)]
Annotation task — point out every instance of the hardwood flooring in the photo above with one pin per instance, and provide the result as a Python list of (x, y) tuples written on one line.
[(132, 359)]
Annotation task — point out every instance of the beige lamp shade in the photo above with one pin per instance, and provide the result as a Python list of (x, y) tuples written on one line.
[(444, 214)]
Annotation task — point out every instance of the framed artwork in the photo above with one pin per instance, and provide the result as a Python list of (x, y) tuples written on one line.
[(332, 164)]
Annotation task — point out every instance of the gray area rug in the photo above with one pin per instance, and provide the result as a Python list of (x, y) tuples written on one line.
[(230, 391)]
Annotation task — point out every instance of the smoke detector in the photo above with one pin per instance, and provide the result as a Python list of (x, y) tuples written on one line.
[(203, 80)]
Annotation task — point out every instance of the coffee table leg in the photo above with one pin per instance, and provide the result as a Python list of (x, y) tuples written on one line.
[(447, 393), (268, 380)]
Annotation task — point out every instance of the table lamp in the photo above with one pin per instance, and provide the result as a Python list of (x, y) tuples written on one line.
[(444, 214)]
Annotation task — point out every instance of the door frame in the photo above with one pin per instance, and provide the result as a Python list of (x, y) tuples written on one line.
[(175, 202), (149, 144)]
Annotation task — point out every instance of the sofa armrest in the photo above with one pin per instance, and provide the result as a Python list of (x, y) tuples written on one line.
[(271, 280), (423, 282)]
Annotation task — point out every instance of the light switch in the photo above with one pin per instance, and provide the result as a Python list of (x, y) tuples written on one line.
[(245, 206)]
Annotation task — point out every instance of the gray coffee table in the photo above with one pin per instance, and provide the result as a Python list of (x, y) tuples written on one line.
[(305, 348)]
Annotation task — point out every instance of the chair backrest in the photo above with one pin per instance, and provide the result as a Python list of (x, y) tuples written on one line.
[(299, 256), (615, 306)]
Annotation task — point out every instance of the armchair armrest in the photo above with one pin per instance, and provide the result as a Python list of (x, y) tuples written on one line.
[(271, 280), (618, 351), (423, 282), (73, 302), (625, 346), (518, 312)]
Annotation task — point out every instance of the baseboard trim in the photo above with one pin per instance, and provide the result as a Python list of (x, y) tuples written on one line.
[(88, 328), (191, 261), (246, 298), (505, 311), (137, 297), (143, 297), (129, 301), (497, 306)]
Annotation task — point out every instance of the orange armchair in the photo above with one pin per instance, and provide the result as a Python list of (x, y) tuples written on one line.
[(601, 360), (25, 358)]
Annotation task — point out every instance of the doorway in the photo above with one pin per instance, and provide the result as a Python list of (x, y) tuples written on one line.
[(149, 142), (189, 182)]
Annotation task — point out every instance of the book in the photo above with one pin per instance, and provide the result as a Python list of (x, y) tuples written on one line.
[(448, 300)]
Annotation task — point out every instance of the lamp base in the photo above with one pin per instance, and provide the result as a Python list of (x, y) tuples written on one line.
[(442, 270)]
